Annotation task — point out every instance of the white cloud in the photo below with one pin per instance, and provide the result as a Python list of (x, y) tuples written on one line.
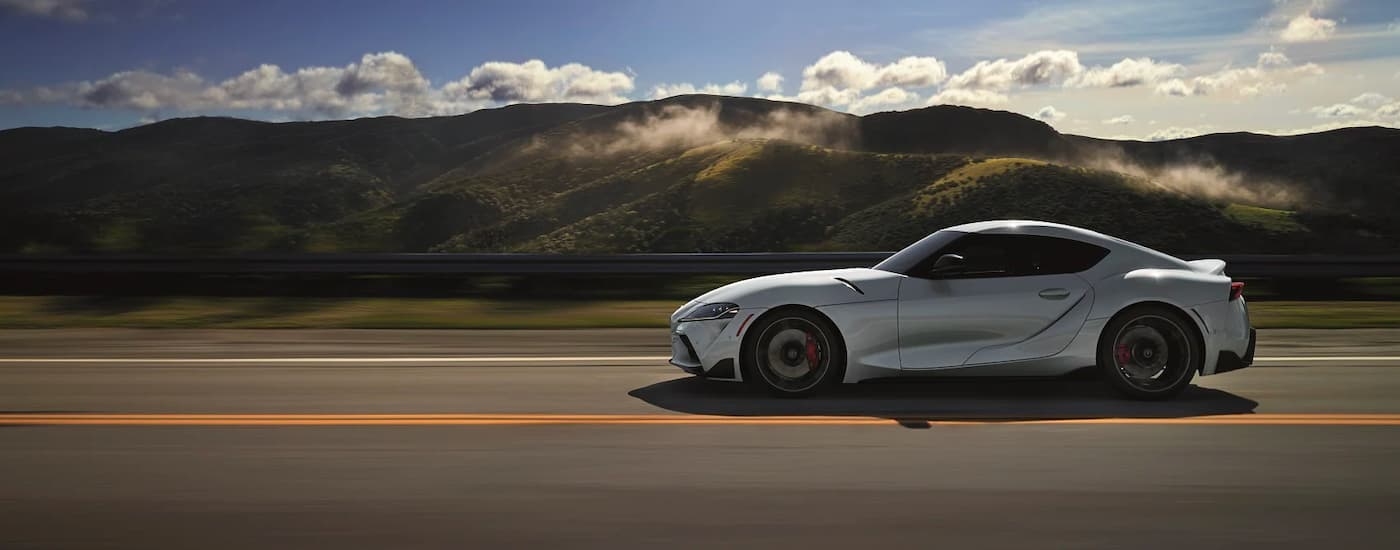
[(1049, 113), (140, 90), (70, 10), (1119, 120), (379, 83), (842, 70), (885, 98), (770, 82), (387, 70), (385, 82), (1274, 59), (975, 98), (840, 79), (1126, 73), (839, 69), (829, 96), (533, 81), (1339, 110), (1040, 67), (661, 91), (1270, 75), (912, 72), (1391, 110), (1370, 99), (1306, 28), (1174, 132)]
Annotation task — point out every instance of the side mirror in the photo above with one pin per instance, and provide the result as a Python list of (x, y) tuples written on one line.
[(948, 263)]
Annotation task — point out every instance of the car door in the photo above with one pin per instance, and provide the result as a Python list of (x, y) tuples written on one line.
[(1006, 292)]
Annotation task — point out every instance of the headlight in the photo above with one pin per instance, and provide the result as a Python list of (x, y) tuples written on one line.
[(708, 312)]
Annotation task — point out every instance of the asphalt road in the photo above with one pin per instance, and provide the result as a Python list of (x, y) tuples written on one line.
[(581, 439)]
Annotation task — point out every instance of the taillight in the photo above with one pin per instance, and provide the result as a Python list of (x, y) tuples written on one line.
[(1236, 290)]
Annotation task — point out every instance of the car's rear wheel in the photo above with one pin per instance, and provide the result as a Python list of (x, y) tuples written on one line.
[(1149, 352), (794, 352)]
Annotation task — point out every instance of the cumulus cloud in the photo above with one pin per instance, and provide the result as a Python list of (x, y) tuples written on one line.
[(974, 98), (1306, 28), (1119, 120), (1339, 110), (912, 72), (770, 82), (70, 10), (842, 70), (1370, 99), (1126, 73), (1049, 113), (1040, 67), (885, 98), (840, 79), (1174, 132), (826, 95), (388, 70), (1391, 110), (533, 81), (1274, 59), (662, 91), (1269, 75), (379, 83)]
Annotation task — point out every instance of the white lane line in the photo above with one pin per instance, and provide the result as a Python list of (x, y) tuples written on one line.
[(1328, 358), (471, 359), (527, 359)]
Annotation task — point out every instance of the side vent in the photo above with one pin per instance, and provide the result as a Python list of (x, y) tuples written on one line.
[(851, 285)]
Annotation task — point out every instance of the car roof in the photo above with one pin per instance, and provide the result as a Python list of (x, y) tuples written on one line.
[(1052, 229)]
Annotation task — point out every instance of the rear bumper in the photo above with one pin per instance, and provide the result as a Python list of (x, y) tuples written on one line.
[(1230, 360)]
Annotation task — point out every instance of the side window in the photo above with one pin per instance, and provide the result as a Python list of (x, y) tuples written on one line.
[(987, 255), (983, 256), (1051, 255)]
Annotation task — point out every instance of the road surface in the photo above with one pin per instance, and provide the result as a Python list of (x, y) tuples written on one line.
[(584, 439)]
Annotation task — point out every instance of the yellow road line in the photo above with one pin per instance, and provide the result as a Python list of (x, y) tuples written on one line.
[(653, 419), (516, 359)]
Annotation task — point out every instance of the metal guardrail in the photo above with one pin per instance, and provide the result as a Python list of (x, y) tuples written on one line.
[(1245, 266)]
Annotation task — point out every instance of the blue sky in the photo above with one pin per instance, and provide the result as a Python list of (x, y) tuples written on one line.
[(1149, 69)]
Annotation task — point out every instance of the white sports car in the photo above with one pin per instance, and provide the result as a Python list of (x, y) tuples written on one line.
[(996, 298)]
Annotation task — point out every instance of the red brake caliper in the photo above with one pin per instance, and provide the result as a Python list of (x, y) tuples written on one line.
[(1125, 354), (812, 357)]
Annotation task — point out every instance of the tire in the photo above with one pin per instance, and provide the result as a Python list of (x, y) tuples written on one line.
[(1150, 352), (779, 352)]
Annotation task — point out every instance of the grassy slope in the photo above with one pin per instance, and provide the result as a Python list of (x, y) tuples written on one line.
[(760, 195), (448, 313)]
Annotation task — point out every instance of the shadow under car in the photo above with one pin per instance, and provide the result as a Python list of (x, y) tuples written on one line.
[(916, 400)]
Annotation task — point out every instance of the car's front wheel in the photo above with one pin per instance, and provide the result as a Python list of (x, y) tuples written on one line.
[(1149, 352), (794, 352)]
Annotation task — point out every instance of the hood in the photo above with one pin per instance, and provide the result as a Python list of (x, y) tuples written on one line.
[(811, 288)]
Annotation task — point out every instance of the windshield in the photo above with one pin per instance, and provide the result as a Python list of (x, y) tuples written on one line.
[(904, 261)]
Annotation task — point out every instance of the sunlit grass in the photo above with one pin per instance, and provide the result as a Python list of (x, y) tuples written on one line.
[(1267, 219)]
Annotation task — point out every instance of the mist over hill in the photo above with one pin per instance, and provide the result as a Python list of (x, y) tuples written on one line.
[(688, 173)]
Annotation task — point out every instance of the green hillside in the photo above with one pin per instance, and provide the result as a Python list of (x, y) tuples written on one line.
[(690, 173)]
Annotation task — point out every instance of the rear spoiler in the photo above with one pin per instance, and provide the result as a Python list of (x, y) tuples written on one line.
[(1209, 267)]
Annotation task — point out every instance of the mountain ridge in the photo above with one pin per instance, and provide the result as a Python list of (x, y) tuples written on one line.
[(509, 178)]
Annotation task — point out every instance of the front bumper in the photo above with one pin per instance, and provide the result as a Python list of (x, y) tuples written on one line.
[(710, 348)]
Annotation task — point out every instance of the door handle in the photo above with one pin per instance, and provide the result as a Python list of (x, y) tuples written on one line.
[(1055, 293)]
